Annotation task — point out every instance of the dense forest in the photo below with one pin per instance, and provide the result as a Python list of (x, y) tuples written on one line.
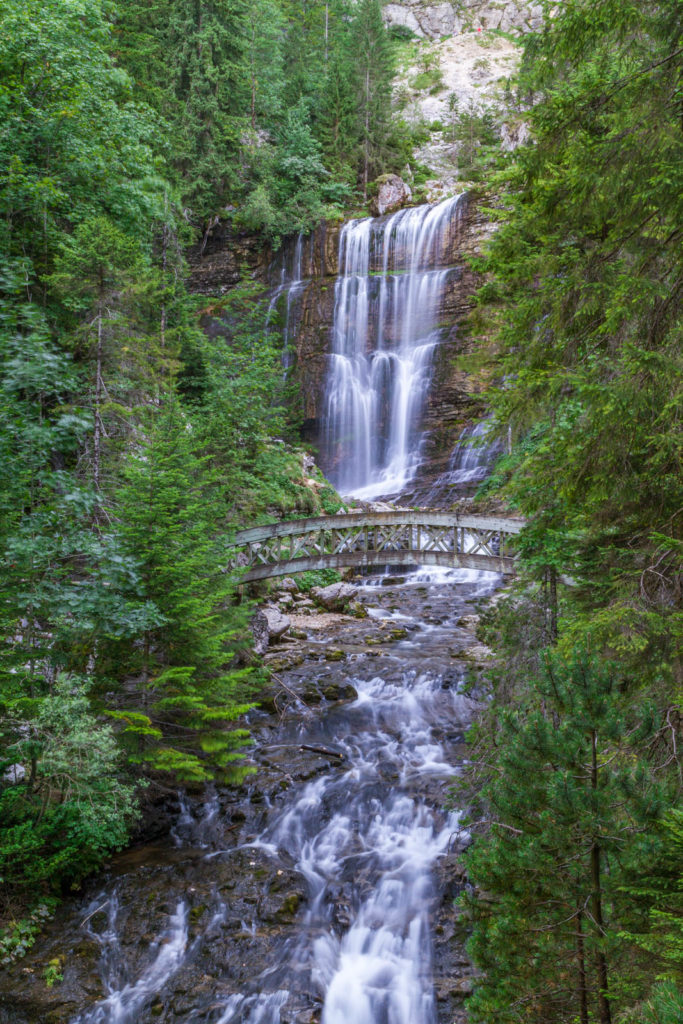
[(133, 445), (578, 778)]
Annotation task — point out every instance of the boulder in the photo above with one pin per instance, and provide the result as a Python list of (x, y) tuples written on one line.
[(289, 585), (278, 624), (392, 193), (267, 625), (396, 14), (14, 774), (438, 20), (469, 622), (513, 135), (335, 597)]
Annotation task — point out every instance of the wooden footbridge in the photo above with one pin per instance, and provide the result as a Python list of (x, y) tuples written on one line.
[(378, 539)]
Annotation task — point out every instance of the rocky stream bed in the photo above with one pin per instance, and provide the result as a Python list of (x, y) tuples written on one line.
[(321, 891)]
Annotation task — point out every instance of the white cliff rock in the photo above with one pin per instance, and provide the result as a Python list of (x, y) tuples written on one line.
[(393, 192), (513, 135), (439, 20)]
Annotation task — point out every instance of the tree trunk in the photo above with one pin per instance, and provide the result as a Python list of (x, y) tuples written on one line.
[(164, 262), (97, 438), (581, 959), (551, 604), (604, 1011), (366, 155)]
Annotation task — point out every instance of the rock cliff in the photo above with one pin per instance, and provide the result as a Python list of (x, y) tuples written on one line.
[(437, 20)]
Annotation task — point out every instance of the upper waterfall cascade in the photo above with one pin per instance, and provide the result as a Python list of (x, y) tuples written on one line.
[(392, 275)]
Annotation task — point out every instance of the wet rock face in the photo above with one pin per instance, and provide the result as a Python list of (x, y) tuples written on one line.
[(452, 399), (217, 263), (304, 314)]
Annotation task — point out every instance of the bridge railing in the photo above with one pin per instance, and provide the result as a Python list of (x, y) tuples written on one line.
[(378, 538)]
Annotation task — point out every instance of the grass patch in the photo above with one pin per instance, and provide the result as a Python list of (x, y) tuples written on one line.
[(431, 80)]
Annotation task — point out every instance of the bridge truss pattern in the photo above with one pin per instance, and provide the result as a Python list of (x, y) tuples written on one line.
[(378, 539)]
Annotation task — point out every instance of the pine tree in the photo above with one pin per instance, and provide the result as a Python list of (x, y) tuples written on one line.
[(569, 809), (339, 128), (94, 265), (206, 50), (189, 691), (374, 69), (587, 267), (264, 60), (66, 589)]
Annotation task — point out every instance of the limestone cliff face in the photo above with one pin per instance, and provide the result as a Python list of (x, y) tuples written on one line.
[(437, 20)]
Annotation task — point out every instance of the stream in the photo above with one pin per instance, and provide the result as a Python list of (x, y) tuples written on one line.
[(321, 890)]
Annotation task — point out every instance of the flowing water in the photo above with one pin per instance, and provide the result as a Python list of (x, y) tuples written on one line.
[(470, 463), (284, 300), (392, 275), (365, 834)]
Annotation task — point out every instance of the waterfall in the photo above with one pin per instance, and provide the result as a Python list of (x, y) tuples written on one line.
[(392, 277), (470, 462), (291, 283)]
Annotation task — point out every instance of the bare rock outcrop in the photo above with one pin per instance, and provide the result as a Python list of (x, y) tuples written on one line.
[(392, 193), (438, 20), (268, 625)]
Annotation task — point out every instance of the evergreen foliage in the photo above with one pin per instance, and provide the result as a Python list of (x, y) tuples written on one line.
[(577, 755), (186, 696), (131, 444), (588, 264), (571, 808)]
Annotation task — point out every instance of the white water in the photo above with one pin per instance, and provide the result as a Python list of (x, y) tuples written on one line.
[(365, 836), (391, 281), (291, 284), (127, 998), (368, 833), (469, 464)]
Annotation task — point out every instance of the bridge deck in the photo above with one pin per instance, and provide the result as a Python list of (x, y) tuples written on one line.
[(358, 539)]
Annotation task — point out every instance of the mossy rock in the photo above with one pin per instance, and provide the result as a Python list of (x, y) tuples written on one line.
[(335, 655), (289, 905), (340, 691), (197, 912)]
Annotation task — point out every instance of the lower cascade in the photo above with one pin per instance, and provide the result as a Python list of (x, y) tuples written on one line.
[(361, 839), (392, 275)]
